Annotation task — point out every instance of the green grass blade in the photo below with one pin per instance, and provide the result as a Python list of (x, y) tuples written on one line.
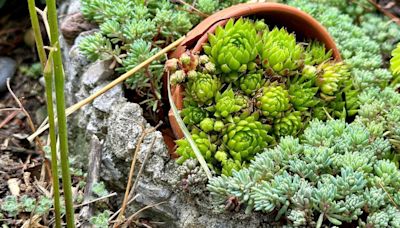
[(185, 131)]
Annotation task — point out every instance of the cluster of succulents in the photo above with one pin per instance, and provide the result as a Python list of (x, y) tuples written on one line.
[(131, 31), (380, 112), (335, 174), (364, 41), (395, 65), (353, 8), (12, 205), (251, 86)]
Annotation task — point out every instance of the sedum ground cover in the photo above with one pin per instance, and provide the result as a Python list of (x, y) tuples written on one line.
[(285, 129), (336, 173)]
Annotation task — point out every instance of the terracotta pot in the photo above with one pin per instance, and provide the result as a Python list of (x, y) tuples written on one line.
[(295, 20)]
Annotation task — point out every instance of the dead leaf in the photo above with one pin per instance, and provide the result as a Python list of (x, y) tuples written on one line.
[(33, 222), (13, 185)]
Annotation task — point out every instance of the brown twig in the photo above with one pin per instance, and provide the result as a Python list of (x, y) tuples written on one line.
[(130, 218), (387, 13), (9, 118), (31, 126), (142, 167), (43, 14), (194, 9), (131, 172), (390, 197), (92, 177), (117, 212), (95, 200), (9, 109)]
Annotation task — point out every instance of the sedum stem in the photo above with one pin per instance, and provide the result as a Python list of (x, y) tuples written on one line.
[(61, 116)]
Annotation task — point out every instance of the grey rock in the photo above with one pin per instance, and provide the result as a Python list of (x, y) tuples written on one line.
[(41, 114), (97, 72), (106, 100), (73, 25), (8, 67), (74, 7), (75, 63), (126, 124), (42, 81)]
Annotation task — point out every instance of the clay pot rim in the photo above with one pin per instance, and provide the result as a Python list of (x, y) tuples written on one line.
[(199, 35), (209, 24)]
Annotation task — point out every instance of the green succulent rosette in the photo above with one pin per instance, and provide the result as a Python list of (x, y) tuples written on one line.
[(303, 97), (316, 53), (207, 124), (228, 164), (193, 115), (251, 83), (331, 76), (352, 102), (225, 104), (280, 53), (245, 137), (203, 142), (289, 124), (244, 102), (273, 100), (203, 88), (234, 48)]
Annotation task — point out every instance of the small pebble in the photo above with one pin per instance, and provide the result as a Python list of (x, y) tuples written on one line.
[(8, 67)]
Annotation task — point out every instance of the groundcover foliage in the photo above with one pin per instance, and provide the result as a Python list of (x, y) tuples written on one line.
[(261, 105), (253, 85), (131, 31)]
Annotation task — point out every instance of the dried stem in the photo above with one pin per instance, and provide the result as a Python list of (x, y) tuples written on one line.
[(117, 212), (142, 167), (95, 200), (117, 81), (387, 13), (131, 172), (129, 220), (43, 14), (31, 125), (9, 118), (192, 8)]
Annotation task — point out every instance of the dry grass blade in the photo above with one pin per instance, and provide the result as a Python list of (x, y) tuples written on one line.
[(117, 212), (390, 196), (31, 126), (191, 8), (30, 122), (117, 81), (131, 172), (9, 118), (130, 218), (95, 200), (142, 167), (387, 13)]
